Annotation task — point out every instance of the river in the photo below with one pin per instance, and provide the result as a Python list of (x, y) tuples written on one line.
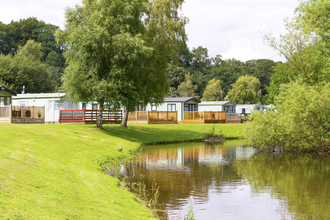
[(231, 181)]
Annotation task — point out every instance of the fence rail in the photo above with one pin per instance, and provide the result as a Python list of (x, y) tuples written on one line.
[(89, 116), (233, 118), (152, 117), (5, 111), (204, 117), (5, 114), (28, 115)]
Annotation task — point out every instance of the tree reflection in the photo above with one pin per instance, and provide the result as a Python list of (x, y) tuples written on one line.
[(301, 180), (184, 171)]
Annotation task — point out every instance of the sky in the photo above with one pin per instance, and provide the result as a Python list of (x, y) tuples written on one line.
[(230, 28)]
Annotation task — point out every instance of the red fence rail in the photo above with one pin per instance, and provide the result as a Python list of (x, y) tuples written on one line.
[(89, 116)]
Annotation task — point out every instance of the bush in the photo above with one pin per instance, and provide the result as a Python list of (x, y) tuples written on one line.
[(301, 123)]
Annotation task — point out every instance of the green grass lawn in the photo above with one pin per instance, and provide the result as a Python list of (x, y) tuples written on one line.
[(52, 171)]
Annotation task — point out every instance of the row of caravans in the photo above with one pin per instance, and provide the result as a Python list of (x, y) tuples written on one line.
[(53, 103)]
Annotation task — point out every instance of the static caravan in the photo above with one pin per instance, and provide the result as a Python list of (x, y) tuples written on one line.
[(52, 102), (222, 106), (179, 104), (248, 109)]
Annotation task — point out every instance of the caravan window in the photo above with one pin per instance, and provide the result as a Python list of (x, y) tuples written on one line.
[(59, 105), (171, 107), (190, 108), (49, 105)]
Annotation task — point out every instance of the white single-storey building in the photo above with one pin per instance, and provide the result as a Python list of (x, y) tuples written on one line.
[(222, 106), (53, 103), (248, 109)]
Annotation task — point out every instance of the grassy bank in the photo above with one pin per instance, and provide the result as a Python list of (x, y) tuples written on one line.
[(51, 171)]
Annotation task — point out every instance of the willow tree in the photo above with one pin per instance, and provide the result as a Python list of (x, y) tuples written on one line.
[(213, 91), (246, 90), (118, 51)]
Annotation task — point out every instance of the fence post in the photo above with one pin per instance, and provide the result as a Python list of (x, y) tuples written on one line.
[(10, 113), (167, 116), (204, 117), (147, 117)]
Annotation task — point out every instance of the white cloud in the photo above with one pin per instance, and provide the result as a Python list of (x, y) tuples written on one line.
[(230, 28)]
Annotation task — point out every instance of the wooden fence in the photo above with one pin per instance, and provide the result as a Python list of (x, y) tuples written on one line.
[(5, 113), (152, 117), (204, 117), (233, 118), (89, 116), (28, 115)]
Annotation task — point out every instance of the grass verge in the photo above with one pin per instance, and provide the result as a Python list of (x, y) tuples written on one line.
[(52, 171)]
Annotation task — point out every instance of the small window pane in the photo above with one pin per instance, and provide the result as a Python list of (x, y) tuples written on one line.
[(153, 108), (49, 105)]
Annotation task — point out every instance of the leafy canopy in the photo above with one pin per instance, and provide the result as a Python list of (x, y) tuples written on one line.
[(213, 91), (246, 90), (119, 50)]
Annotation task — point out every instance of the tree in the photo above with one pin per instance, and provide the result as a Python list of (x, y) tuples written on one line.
[(213, 91), (305, 46), (26, 69), (186, 88), (246, 90), (118, 51)]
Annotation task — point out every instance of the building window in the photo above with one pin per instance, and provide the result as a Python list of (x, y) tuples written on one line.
[(153, 108), (140, 108), (94, 106), (83, 106), (23, 103), (243, 110), (59, 105), (5, 101), (232, 109), (190, 108), (50, 105), (171, 107), (70, 106)]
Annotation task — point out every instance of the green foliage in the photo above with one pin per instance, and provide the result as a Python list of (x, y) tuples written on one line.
[(17, 34), (190, 215), (117, 55), (26, 69), (305, 46), (213, 91), (186, 88), (301, 123), (246, 90)]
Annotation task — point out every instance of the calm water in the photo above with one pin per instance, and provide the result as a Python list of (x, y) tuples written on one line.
[(232, 181)]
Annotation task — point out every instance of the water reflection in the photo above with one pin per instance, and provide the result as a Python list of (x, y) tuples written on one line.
[(230, 181), (302, 181)]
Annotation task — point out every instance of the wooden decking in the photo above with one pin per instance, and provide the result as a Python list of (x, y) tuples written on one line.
[(165, 117), (153, 117), (203, 117), (22, 114), (89, 116)]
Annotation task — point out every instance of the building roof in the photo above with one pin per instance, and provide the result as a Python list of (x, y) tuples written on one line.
[(39, 95), (216, 103), (8, 90), (181, 99)]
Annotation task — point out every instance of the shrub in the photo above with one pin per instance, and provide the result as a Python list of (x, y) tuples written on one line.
[(301, 123)]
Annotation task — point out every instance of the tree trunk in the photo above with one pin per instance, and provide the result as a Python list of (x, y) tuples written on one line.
[(99, 117), (124, 121)]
